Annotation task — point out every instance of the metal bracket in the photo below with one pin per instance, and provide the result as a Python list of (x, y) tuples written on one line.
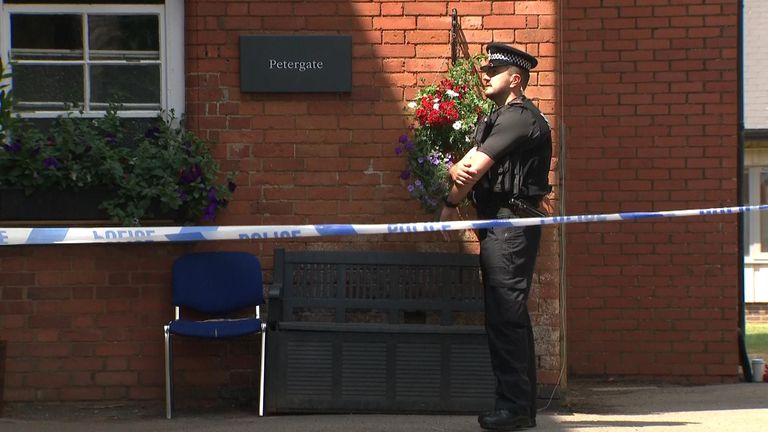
[(454, 35)]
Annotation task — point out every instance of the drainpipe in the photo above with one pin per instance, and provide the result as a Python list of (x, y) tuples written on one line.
[(743, 356)]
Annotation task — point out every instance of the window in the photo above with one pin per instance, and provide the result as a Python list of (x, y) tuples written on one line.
[(756, 223), (82, 57)]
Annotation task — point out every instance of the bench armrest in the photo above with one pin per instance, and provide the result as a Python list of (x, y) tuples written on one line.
[(275, 304)]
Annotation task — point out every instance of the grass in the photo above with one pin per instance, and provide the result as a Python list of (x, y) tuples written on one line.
[(757, 340)]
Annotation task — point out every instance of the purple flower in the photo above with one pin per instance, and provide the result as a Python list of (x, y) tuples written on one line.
[(183, 195), (410, 188), (409, 145), (152, 132), (398, 150), (209, 213), (14, 147), (405, 175), (212, 194), (403, 138), (420, 159), (190, 175), (419, 184), (51, 163)]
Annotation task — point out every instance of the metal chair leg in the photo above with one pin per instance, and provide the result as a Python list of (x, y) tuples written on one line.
[(261, 373), (168, 374)]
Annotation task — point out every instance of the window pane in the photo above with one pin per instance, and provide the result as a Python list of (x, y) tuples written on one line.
[(51, 85), (124, 37), (125, 84), (53, 37), (746, 216)]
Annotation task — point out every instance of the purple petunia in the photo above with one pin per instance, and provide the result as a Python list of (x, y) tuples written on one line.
[(51, 163), (209, 213), (152, 132), (405, 175), (183, 195), (13, 147), (212, 194), (409, 145), (403, 139), (398, 150), (191, 174)]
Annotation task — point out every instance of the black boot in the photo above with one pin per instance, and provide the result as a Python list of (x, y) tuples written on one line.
[(503, 420)]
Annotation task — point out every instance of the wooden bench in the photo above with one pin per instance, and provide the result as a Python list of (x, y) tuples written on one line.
[(377, 332)]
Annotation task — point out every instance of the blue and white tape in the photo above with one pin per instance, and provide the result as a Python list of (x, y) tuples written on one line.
[(42, 236)]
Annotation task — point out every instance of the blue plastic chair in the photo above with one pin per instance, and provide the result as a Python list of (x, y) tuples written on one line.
[(216, 284)]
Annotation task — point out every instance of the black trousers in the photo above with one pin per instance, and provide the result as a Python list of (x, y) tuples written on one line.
[(507, 259)]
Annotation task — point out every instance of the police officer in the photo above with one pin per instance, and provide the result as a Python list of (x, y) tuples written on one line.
[(507, 176)]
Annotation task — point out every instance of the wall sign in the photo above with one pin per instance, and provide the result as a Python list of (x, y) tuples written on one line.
[(295, 64)]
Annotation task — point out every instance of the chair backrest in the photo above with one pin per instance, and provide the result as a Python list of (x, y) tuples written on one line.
[(217, 282)]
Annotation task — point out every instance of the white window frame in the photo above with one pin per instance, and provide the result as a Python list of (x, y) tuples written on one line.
[(171, 19), (753, 249)]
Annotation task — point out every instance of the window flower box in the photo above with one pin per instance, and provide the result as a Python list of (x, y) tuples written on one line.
[(106, 168)]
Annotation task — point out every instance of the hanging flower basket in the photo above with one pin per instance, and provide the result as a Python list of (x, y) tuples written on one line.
[(444, 118)]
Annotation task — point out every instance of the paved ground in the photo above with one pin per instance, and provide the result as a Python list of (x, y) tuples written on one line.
[(590, 407)]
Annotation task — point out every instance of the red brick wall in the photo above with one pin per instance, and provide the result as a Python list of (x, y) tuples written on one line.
[(650, 106), (84, 322)]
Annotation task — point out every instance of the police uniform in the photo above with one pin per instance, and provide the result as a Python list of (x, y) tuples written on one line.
[(518, 139)]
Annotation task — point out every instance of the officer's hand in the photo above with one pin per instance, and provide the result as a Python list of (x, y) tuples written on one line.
[(462, 173), (547, 205), (448, 214)]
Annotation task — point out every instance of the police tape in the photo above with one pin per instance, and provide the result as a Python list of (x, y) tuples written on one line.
[(45, 236)]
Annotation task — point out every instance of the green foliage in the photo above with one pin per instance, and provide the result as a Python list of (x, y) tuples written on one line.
[(163, 169), (445, 115), (757, 339)]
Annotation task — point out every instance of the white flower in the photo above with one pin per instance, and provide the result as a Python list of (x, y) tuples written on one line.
[(412, 105), (457, 125), (451, 93), (466, 138), (436, 100), (436, 107)]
